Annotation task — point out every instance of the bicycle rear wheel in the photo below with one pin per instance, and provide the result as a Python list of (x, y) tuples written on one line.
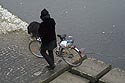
[(34, 47), (72, 57)]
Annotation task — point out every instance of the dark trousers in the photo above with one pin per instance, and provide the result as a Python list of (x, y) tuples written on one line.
[(48, 57)]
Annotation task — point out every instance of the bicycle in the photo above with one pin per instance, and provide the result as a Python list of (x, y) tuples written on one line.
[(65, 49)]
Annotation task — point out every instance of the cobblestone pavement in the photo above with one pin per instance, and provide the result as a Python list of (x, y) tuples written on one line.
[(17, 64)]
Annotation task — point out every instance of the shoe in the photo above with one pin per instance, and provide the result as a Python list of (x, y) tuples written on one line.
[(51, 67), (48, 66)]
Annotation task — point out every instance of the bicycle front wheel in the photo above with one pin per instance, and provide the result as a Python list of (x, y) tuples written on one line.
[(34, 47), (72, 57)]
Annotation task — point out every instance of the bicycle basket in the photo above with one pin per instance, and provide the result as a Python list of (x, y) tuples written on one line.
[(68, 42)]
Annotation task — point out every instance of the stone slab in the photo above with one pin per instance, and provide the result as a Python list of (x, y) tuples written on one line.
[(50, 75), (69, 78), (116, 75), (91, 69)]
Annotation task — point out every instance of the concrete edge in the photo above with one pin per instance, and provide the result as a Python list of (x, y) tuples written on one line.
[(88, 76), (102, 81), (55, 75), (102, 73), (51, 75), (117, 75), (82, 74), (68, 77)]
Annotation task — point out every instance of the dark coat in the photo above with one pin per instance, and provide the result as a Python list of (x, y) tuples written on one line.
[(47, 30)]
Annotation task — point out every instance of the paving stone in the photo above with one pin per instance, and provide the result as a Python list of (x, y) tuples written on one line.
[(116, 75), (91, 69), (69, 78), (5, 81)]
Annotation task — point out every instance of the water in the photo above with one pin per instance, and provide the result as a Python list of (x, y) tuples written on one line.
[(97, 25)]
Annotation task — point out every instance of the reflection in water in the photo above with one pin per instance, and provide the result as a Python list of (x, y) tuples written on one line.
[(97, 25)]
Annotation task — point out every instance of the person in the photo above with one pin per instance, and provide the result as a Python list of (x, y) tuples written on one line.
[(48, 35)]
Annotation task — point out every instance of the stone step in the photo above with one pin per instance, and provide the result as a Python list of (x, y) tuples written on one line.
[(69, 78), (91, 69), (116, 75), (50, 75)]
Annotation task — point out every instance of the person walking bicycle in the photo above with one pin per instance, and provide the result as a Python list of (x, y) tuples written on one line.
[(46, 41), (48, 36)]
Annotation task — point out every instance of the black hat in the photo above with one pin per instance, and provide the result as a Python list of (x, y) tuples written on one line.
[(44, 12)]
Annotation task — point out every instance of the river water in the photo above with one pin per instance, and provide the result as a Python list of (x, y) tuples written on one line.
[(96, 25)]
